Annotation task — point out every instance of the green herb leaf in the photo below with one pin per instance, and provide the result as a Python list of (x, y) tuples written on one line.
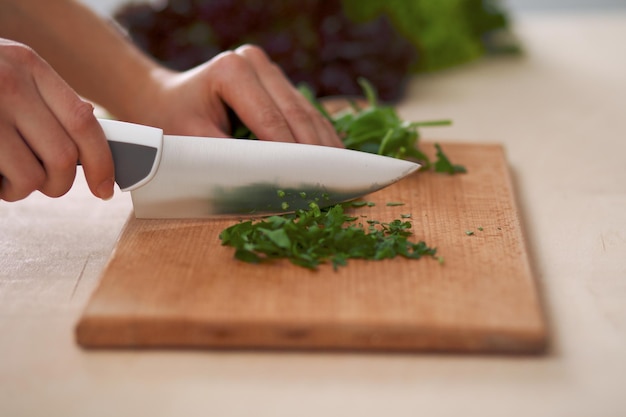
[(278, 237), (444, 165)]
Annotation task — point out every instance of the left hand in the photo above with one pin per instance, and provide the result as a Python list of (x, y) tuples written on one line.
[(195, 102)]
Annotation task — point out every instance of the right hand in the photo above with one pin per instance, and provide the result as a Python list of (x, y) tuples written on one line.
[(195, 102), (45, 128)]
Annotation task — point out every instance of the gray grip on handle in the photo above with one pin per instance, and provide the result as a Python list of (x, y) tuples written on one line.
[(133, 162)]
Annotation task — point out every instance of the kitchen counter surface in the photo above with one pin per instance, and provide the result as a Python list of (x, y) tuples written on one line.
[(560, 112)]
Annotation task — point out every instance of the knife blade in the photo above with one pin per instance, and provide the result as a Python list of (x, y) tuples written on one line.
[(198, 177)]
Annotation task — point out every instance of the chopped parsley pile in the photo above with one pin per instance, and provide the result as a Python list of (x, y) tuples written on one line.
[(314, 236)]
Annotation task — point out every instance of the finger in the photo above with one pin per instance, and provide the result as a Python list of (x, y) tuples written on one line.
[(47, 140), (282, 94), (239, 86), (78, 121), (20, 171), (304, 120), (55, 150), (326, 132)]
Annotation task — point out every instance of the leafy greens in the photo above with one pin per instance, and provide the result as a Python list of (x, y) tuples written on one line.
[(311, 237), (378, 129)]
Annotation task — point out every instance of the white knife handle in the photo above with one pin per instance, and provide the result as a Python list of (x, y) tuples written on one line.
[(136, 152)]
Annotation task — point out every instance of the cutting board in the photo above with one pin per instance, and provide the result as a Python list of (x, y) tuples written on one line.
[(170, 283)]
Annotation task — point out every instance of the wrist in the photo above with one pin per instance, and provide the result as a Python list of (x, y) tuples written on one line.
[(143, 96)]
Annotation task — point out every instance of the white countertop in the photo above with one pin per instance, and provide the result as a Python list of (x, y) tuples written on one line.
[(560, 111)]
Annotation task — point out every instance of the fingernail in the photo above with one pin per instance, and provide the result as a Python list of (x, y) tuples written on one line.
[(105, 189)]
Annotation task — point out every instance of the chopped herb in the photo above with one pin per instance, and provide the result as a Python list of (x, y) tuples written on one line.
[(469, 232), (394, 203), (311, 237), (480, 229), (444, 165)]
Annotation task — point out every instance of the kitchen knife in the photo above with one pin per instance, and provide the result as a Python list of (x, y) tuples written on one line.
[(197, 177)]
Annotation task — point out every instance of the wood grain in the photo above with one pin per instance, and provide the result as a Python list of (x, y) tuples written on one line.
[(170, 283)]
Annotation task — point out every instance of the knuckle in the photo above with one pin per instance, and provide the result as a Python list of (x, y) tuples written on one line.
[(251, 51), (64, 158), (257, 56), (57, 191), (33, 180), (7, 195), (297, 114), (230, 62), (272, 118), (23, 185), (20, 53), (80, 118)]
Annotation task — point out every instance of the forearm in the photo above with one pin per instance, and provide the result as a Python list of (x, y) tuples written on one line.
[(91, 54)]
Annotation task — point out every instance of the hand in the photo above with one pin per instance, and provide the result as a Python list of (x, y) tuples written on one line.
[(195, 102), (45, 128)]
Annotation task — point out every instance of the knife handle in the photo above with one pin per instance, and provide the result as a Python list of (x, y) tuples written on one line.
[(136, 151)]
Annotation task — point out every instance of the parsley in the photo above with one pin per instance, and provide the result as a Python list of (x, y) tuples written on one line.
[(375, 129), (311, 237), (379, 129), (444, 165)]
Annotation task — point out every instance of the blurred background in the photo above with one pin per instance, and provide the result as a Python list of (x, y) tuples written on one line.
[(108, 6), (328, 45)]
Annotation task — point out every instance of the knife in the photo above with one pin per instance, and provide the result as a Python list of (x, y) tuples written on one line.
[(197, 177)]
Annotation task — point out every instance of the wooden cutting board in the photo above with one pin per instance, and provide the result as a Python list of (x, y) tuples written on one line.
[(170, 283)]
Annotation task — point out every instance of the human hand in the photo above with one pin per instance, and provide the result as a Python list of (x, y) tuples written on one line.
[(195, 102), (45, 128)]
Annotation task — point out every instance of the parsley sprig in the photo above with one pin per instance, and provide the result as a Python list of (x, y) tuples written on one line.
[(377, 128), (444, 165), (312, 237)]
